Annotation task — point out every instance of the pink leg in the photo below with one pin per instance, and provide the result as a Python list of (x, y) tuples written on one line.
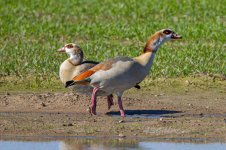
[(93, 101), (122, 112), (110, 101)]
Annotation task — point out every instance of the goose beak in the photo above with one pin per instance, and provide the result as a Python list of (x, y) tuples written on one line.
[(176, 36), (61, 49)]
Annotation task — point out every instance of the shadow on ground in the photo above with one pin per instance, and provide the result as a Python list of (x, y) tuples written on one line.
[(144, 112)]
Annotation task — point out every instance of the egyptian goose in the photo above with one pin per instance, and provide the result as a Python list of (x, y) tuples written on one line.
[(119, 74), (74, 66)]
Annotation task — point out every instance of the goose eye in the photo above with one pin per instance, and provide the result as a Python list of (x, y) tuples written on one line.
[(69, 46), (167, 31)]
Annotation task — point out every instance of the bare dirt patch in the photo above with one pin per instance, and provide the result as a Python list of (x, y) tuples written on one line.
[(189, 113)]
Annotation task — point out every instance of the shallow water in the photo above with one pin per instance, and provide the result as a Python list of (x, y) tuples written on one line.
[(109, 144)]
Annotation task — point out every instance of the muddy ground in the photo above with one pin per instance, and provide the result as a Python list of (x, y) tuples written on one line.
[(187, 112)]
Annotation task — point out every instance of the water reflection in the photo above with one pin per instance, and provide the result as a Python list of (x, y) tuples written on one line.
[(107, 144), (103, 144)]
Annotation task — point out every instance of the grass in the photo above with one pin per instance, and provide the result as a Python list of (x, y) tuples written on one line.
[(32, 31)]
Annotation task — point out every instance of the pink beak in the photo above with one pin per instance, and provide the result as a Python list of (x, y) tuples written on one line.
[(61, 49)]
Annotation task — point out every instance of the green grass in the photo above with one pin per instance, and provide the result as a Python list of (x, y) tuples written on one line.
[(32, 31)]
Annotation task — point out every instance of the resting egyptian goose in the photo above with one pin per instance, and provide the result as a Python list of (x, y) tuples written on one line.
[(119, 74), (74, 66)]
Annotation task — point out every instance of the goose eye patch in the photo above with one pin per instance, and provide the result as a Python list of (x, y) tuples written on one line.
[(167, 31), (69, 46)]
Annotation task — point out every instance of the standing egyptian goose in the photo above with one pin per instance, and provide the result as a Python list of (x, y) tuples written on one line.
[(119, 74)]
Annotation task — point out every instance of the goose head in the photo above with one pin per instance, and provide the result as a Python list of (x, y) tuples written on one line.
[(74, 51), (169, 34), (156, 40)]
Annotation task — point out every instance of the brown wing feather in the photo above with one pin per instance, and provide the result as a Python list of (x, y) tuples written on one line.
[(83, 75), (102, 66)]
